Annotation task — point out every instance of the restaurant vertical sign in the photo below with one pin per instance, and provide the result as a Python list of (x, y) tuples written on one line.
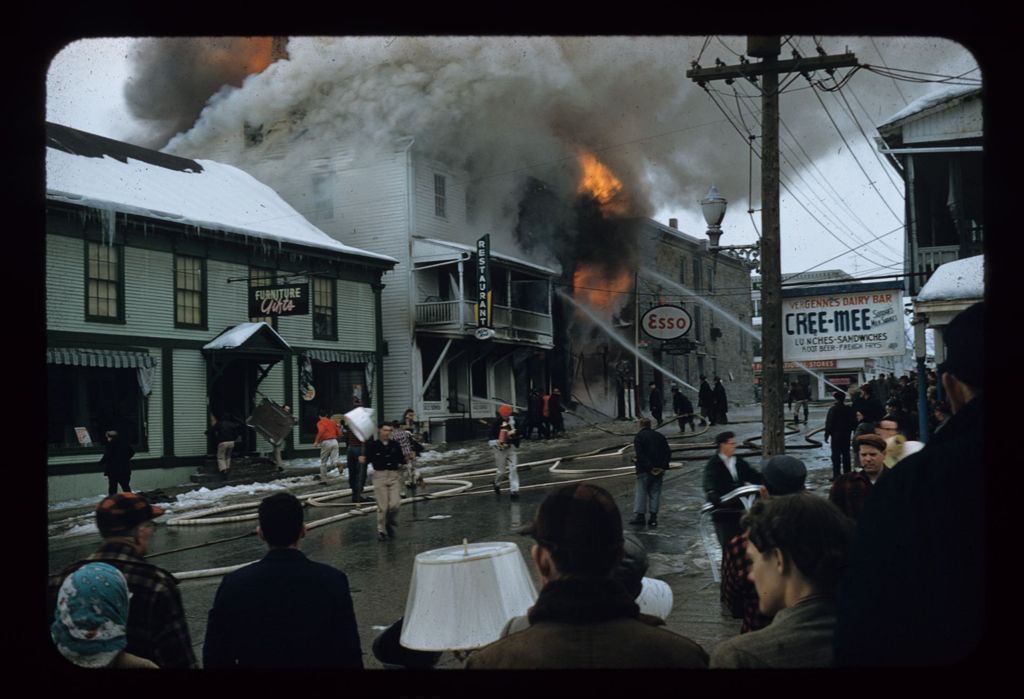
[(483, 287)]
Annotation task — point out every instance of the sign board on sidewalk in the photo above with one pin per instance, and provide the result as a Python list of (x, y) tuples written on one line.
[(843, 321)]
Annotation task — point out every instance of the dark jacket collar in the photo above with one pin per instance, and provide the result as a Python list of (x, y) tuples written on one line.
[(284, 554), (583, 601)]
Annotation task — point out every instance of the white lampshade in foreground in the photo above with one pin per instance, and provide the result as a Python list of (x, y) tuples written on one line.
[(655, 598), (360, 421), (461, 597)]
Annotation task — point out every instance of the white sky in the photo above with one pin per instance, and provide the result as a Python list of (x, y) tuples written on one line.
[(85, 90)]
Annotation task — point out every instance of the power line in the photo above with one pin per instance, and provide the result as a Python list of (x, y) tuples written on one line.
[(871, 146), (838, 219), (856, 159), (896, 84), (823, 262), (792, 193), (946, 79)]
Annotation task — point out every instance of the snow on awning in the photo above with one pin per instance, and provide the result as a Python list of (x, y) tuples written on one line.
[(105, 358), (342, 356), (962, 279), (236, 337)]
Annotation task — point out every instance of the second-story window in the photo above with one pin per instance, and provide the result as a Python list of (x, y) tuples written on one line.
[(682, 271), (439, 196), (104, 292), (189, 292), (325, 325), (698, 323), (261, 276), (696, 275), (710, 277)]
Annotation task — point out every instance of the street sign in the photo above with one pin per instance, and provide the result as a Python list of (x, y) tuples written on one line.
[(666, 322)]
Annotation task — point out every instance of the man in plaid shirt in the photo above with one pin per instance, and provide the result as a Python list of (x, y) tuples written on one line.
[(783, 475), (157, 629)]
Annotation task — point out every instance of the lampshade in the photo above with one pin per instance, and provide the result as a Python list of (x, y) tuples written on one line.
[(655, 598), (360, 421), (461, 597)]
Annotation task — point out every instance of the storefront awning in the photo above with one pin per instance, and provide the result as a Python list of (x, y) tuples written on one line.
[(107, 358), (342, 356)]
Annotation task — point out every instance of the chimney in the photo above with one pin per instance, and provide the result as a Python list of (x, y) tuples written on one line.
[(278, 48), (673, 223)]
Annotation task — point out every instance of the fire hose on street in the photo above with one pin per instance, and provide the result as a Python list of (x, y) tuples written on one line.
[(460, 487)]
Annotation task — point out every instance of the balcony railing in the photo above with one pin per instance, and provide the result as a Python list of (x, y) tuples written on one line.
[(506, 321)]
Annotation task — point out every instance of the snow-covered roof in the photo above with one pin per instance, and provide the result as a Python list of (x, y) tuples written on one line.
[(932, 99), (957, 280), (239, 335), (433, 249), (210, 195)]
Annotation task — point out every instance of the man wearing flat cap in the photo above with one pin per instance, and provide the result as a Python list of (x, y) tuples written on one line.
[(157, 629), (915, 592), (584, 617), (850, 491), (783, 475)]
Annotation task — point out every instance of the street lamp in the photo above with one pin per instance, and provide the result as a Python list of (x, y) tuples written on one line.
[(713, 206)]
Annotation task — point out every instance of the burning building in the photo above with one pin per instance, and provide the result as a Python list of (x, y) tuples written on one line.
[(419, 155)]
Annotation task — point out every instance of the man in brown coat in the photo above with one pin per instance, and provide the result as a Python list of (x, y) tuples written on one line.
[(583, 617)]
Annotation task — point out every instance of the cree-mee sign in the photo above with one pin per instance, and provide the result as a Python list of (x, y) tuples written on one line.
[(287, 300), (666, 322), (843, 321)]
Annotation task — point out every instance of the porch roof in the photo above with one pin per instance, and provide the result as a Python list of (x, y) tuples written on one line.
[(434, 250)]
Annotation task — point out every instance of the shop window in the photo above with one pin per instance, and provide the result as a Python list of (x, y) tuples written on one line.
[(104, 293), (84, 402), (262, 276), (336, 385), (189, 292), (325, 322)]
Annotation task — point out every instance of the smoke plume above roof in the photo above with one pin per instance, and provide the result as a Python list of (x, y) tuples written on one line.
[(503, 108)]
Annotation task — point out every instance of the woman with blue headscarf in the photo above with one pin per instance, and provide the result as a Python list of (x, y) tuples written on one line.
[(92, 613)]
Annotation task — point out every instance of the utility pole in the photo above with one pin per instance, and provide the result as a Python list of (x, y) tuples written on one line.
[(767, 48)]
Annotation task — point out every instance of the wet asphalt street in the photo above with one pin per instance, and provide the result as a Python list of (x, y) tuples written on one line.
[(379, 572)]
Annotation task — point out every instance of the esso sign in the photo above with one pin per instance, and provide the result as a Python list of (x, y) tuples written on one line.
[(666, 322)]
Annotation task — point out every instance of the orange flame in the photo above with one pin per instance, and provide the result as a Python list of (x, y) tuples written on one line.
[(594, 287), (601, 183)]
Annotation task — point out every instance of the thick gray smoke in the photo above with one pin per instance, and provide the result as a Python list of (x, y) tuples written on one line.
[(173, 79), (514, 113), (504, 108)]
